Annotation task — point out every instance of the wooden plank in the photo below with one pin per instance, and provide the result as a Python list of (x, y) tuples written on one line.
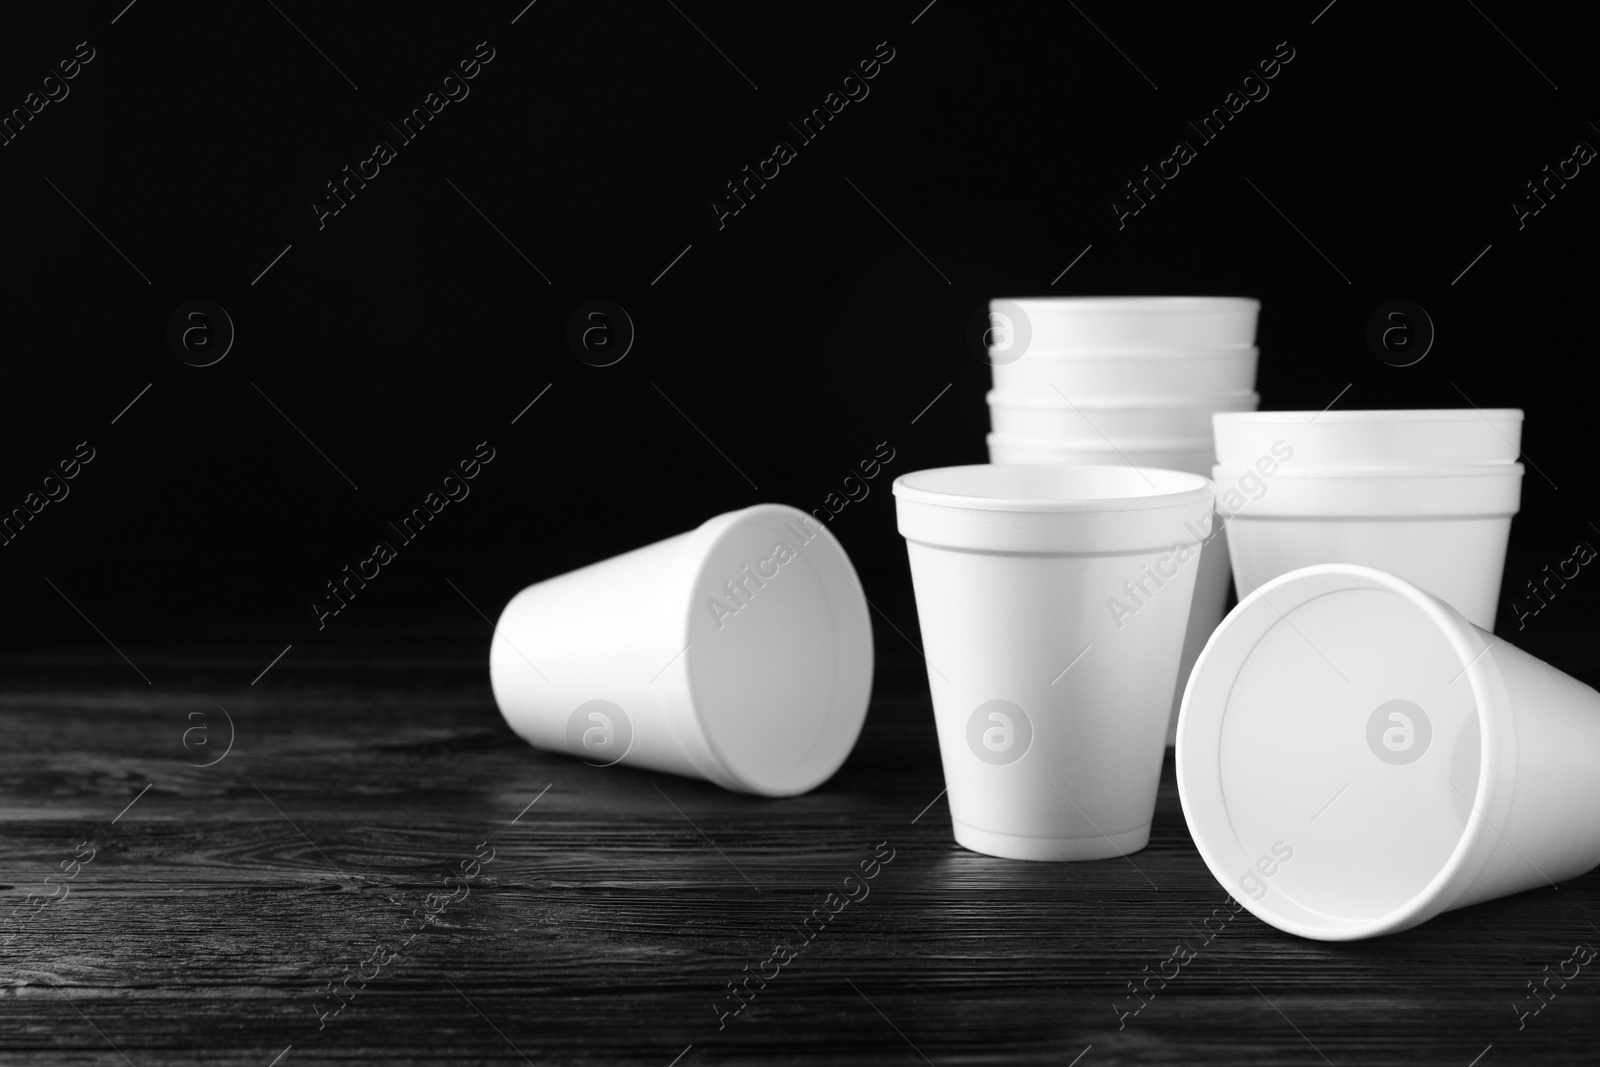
[(606, 928)]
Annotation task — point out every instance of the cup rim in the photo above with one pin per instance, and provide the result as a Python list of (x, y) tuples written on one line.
[(1478, 469), (1143, 444), (1088, 353), (1202, 402), (1136, 303), (1375, 415), (847, 614), (949, 487)]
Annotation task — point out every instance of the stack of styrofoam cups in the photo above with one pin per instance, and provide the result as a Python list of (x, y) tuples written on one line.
[(1355, 757), (1051, 706), (1427, 495), (1129, 380), (739, 652)]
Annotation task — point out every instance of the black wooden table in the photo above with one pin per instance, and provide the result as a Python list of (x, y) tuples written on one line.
[(379, 871)]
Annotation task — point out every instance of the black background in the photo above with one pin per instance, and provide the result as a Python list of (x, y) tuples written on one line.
[(796, 338)]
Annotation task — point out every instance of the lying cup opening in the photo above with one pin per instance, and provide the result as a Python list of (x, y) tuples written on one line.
[(1332, 752), (778, 653)]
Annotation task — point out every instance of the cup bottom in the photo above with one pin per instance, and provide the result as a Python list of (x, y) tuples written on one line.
[(1022, 847)]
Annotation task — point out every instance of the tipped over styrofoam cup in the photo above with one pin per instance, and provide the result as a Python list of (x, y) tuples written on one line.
[(1125, 375), (1355, 757), (1053, 602), (1064, 418), (1127, 322), (1374, 438), (739, 652), (1444, 528)]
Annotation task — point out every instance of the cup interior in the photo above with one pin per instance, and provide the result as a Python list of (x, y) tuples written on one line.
[(780, 669), (1331, 751), (1050, 487), (1070, 306)]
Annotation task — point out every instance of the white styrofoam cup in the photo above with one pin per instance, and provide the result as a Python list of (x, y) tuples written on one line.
[(1355, 757), (1053, 601), (739, 652)]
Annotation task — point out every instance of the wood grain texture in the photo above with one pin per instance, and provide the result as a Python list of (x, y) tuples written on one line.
[(616, 909)]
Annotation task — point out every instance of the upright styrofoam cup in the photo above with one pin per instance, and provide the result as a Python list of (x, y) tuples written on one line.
[(1374, 438), (1113, 374), (1444, 528), (739, 652), (1132, 322), (1053, 601), (1065, 418), (1214, 574), (1355, 757)]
